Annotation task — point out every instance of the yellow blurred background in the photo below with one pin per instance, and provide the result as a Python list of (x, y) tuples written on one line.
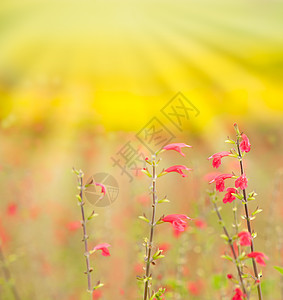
[(116, 63)]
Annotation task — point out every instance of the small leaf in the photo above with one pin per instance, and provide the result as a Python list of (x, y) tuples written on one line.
[(230, 141), (161, 174), (144, 219), (139, 278), (257, 211), (225, 237), (98, 285), (146, 172), (279, 269), (242, 256), (239, 196), (92, 215), (227, 257), (158, 254), (165, 200)]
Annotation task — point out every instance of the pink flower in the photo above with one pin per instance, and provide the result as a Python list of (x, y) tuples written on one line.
[(104, 248), (177, 147), (217, 158), (238, 295), (219, 181), (164, 247), (74, 225), (178, 221), (245, 145), (241, 182), (245, 238), (178, 169), (211, 175), (229, 276), (12, 209), (103, 189), (228, 197), (195, 288), (259, 257), (200, 223), (96, 294)]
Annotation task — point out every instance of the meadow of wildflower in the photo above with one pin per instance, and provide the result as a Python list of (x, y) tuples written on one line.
[(141, 150)]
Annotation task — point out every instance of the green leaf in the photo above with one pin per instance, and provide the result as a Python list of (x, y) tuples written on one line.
[(257, 211), (230, 141), (92, 215), (165, 200), (227, 257), (157, 254), (161, 174), (239, 196), (98, 285), (279, 269), (242, 256), (144, 219), (225, 237), (157, 295), (146, 172)]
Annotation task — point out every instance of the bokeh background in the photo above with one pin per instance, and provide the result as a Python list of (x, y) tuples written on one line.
[(79, 80)]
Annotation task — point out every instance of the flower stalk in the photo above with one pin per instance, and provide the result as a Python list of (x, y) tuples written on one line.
[(178, 221), (85, 236), (248, 220), (229, 240), (152, 224), (103, 247)]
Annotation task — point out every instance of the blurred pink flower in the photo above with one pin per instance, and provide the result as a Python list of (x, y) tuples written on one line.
[(195, 287), (259, 257), (245, 145), (228, 197), (103, 189), (178, 221), (178, 169), (217, 158), (74, 225), (104, 248), (245, 238), (238, 295), (96, 294), (164, 246), (200, 223), (219, 181), (177, 147), (12, 209), (241, 182)]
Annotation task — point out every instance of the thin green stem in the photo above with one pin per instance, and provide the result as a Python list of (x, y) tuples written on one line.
[(152, 224), (230, 241), (85, 238), (248, 220)]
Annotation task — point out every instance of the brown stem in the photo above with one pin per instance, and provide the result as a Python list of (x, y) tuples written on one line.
[(7, 275), (85, 237), (235, 209), (248, 221), (231, 246), (148, 262)]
